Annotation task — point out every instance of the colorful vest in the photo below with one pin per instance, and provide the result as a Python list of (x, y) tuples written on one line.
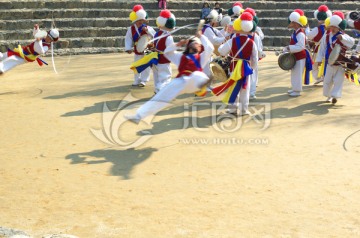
[(136, 36), (331, 45), (245, 54), (28, 52), (318, 37), (160, 45), (302, 54), (188, 64)]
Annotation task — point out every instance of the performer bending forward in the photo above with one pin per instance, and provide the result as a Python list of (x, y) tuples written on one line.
[(29, 53), (189, 80)]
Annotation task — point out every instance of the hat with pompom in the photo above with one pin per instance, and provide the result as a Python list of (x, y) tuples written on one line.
[(253, 13), (353, 20), (236, 9), (214, 16), (322, 13), (138, 13), (336, 20), (166, 19), (244, 23), (298, 16)]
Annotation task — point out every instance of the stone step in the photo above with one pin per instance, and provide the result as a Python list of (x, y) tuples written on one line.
[(83, 42), (65, 24), (46, 13), (27, 24), (116, 4), (110, 4), (93, 26)]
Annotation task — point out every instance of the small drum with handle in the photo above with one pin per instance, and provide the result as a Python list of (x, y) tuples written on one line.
[(219, 68), (142, 43), (286, 61)]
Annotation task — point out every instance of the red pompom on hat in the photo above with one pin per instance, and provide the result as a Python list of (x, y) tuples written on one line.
[(323, 8), (340, 14), (301, 12), (137, 8), (238, 4), (251, 11), (246, 16), (165, 14)]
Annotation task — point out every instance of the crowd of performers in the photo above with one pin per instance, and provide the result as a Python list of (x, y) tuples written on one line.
[(239, 42), (234, 42)]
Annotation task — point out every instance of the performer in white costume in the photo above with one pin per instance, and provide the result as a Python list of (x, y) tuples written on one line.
[(315, 35), (31, 52), (215, 36), (162, 71), (334, 74), (189, 80), (297, 47), (244, 55), (255, 36), (138, 28)]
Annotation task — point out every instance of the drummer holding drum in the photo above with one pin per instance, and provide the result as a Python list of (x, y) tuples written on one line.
[(334, 74), (244, 57), (214, 35), (297, 45), (134, 33)]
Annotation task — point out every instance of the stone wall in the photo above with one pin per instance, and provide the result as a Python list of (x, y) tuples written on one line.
[(92, 26)]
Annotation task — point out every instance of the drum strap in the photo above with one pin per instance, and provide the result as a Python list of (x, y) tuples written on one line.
[(329, 47), (137, 34)]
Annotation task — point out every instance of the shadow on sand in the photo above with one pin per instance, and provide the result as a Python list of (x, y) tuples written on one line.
[(123, 160), (95, 92)]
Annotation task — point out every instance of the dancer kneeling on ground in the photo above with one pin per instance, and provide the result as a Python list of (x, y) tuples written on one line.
[(189, 80), (29, 53)]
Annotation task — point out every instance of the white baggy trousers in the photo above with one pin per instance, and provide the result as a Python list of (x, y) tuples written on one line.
[(8, 63), (184, 84), (333, 81)]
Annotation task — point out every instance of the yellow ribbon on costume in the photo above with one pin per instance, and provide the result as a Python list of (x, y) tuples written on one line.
[(202, 92), (236, 75), (146, 61), (29, 57), (353, 78), (321, 69), (310, 76)]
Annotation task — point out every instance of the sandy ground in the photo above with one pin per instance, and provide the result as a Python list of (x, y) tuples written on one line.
[(299, 177)]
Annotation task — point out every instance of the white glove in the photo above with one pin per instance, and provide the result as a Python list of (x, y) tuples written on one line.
[(286, 49)]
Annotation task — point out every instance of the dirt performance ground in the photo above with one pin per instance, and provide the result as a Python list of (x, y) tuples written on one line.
[(69, 164)]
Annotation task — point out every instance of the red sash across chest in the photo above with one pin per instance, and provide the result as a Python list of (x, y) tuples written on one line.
[(302, 54)]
